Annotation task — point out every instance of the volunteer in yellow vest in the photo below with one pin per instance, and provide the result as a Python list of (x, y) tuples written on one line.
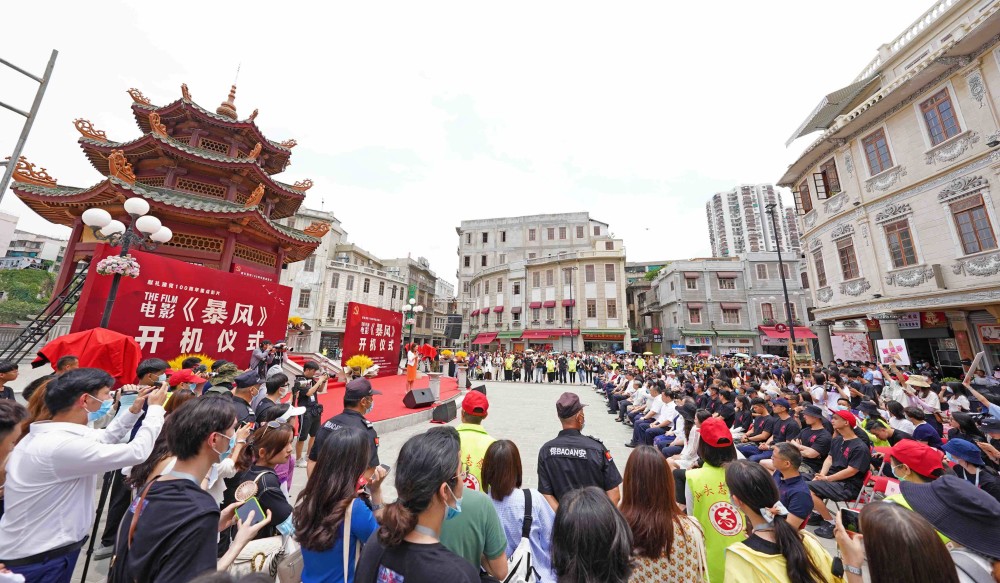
[(550, 368), (474, 438), (916, 462), (707, 496), (640, 363), (775, 551), (508, 368), (571, 367)]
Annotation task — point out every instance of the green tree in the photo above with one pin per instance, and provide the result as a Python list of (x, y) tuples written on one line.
[(651, 274), (27, 292)]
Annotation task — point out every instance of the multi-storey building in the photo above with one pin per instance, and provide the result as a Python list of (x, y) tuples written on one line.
[(727, 304), (443, 306), (542, 282), (325, 282), (894, 197), (643, 322), (738, 222), (421, 285), (33, 250)]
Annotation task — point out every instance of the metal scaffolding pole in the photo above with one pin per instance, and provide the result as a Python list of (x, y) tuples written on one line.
[(43, 83)]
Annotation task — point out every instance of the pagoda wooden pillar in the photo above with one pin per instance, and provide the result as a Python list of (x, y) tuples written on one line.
[(68, 267), (281, 261), (226, 261)]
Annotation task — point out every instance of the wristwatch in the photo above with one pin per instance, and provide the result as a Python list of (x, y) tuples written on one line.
[(852, 569)]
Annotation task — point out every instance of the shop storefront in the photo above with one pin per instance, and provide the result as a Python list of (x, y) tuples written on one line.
[(600, 340), (700, 343), (774, 339), (330, 342), (928, 337), (733, 341), (483, 340), (511, 340)]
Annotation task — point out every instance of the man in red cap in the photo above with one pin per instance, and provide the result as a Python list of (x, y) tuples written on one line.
[(475, 440), (843, 473)]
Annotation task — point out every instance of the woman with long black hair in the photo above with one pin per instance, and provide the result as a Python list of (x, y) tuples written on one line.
[(429, 482), (591, 541), (962, 426), (775, 550), (332, 497)]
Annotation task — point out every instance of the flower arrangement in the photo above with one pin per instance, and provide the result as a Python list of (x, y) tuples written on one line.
[(461, 356), (116, 265), (295, 323), (361, 365), (447, 354), (175, 363)]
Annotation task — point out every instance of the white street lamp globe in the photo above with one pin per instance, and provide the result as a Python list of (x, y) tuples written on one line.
[(163, 235), (96, 218), (148, 224), (412, 301), (136, 206), (418, 308), (113, 228)]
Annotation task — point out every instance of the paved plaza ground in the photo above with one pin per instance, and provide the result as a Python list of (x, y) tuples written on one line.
[(524, 413)]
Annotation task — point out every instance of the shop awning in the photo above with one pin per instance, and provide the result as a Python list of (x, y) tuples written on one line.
[(568, 303), (695, 305), (833, 105), (510, 334), (534, 305), (549, 304), (537, 335), (485, 338), (727, 274), (691, 274), (564, 331), (731, 306), (474, 313), (603, 334), (515, 310), (801, 333), (484, 311), (738, 333), (498, 309)]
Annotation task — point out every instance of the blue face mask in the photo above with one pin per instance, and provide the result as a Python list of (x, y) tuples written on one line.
[(951, 458), (453, 512), (370, 407), (101, 412), (162, 378), (224, 454), (286, 528)]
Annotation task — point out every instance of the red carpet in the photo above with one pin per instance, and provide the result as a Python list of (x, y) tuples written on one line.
[(389, 404)]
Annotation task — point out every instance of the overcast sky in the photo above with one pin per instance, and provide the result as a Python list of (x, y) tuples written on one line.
[(411, 117)]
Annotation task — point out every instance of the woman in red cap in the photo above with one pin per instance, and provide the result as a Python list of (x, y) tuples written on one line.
[(707, 496)]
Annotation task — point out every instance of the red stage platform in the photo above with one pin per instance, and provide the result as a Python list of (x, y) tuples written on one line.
[(388, 405)]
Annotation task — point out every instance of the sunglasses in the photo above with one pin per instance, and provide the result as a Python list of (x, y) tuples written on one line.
[(272, 425)]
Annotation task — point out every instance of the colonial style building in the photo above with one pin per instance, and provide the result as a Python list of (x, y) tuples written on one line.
[(647, 334), (894, 196), (542, 282), (324, 283), (739, 222), (421, 285), (726, 304)]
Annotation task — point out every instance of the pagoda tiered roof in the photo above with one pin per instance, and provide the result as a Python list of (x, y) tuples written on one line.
[(55, 203), (139, 150)]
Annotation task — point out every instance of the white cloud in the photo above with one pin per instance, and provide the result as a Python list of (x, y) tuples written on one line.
[(634, 112)]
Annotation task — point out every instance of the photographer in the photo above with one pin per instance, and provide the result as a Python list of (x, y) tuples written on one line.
[(261, 358), (307, 384), (52, 473)]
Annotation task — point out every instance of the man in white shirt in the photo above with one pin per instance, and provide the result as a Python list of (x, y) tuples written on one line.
[(52, 473)]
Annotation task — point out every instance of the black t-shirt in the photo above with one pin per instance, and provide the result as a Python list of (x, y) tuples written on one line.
[(175, 537), (785, 429), (573, 460), (412, 563), (742, 420), (851, 453), (7, 393), (898, 436), (264, 404), (349, 418), (300, 394), (728, 413), (762, 424), (269, 495), (818, 439)]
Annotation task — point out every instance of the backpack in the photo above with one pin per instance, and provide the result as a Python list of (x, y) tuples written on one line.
[(520, 568)]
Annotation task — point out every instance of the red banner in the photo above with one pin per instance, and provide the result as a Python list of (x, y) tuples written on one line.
[(375, 333), (175, 308)]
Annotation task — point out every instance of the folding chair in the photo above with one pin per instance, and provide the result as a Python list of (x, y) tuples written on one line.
[(864, 496)]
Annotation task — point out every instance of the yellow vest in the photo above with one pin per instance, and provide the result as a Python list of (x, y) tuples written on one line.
[(571, 365), (550, 365), (721, 521), (509, 363), (474, 440), (746, 564), (898, 499)]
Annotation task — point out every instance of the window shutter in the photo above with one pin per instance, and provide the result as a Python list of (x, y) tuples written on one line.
[(820, 185)]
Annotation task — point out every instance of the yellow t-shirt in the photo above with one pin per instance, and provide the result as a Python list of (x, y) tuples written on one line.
[(474, 441)]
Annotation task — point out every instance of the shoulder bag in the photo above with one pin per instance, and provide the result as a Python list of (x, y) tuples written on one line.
[(519, 566)]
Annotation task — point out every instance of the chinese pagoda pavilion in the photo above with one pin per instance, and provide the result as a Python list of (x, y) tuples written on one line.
[(208, 176)]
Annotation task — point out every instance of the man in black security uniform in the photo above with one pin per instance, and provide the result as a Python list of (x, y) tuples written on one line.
[(247, 385), (359, 398), (573, 460)]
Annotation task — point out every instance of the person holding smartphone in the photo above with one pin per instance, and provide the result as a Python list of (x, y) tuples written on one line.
[(307, 386)]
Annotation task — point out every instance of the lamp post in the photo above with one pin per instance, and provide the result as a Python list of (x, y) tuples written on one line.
[(781, 272), (410, 311), (143, 230)]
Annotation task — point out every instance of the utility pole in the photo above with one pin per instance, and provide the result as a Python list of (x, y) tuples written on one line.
[(43, 83)]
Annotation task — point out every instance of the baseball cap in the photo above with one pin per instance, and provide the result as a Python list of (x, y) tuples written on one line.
[(714, 433), (847, 416), (568, 405), (812, 411), (991, 425), (475, 403), (782, 402), (358, 389), (964, 450), (919, 457), (185, 375), (247, 379)]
